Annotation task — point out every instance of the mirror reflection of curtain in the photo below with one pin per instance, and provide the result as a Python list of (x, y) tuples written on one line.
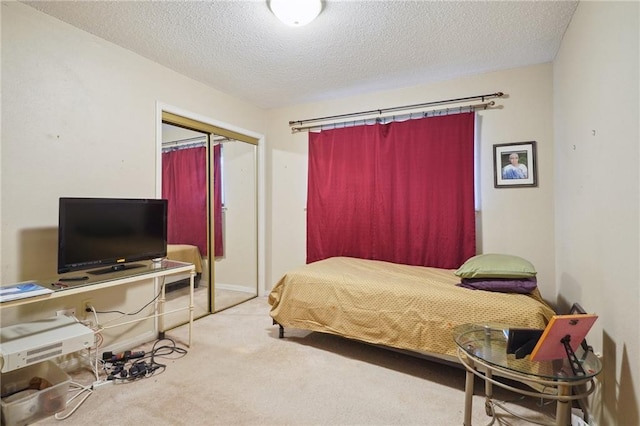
[(184, 185)]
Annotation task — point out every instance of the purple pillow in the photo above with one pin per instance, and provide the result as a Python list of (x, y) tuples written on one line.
[(502, 285)]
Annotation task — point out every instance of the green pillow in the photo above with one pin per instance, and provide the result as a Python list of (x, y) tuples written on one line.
[(493, 265)]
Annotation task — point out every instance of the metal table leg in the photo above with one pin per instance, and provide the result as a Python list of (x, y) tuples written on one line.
[(468, 396), (563, 406), (488, 393)]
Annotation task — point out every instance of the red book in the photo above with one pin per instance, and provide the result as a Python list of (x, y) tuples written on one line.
[(550, 344)]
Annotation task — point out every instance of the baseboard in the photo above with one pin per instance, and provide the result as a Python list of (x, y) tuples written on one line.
[(234, 287)]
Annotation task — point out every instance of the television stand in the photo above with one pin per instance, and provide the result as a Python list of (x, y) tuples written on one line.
[(84, 290), (115, 268)]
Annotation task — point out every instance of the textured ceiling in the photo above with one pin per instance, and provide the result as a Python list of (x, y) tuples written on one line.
[(353, 47)]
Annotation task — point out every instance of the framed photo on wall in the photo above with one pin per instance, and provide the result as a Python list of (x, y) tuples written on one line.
[(515, 165)]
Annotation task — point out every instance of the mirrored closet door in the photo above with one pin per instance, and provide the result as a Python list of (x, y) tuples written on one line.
[(236, 263), (210, 180)]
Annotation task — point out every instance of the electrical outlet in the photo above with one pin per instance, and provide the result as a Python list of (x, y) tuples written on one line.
[(70, 312), (86, 305)]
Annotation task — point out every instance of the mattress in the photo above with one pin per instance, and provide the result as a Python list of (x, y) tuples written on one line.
[(400, 306), (185, 253)]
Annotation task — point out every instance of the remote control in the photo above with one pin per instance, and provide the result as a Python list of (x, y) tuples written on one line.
[(74, 278)]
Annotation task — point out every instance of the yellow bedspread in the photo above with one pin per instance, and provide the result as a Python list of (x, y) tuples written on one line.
[(401, 306), (185, 253)]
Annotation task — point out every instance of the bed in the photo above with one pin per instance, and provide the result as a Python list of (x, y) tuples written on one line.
[(411, 308), (184, 253)]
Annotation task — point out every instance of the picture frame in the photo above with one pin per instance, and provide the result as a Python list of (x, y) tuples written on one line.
[(515, 165)]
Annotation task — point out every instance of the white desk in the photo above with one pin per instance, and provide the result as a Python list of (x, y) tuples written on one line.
[(148, 270)]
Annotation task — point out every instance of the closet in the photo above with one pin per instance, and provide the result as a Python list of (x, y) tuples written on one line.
[(210, 177)]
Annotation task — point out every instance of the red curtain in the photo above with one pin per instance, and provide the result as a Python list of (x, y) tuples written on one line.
[(401, 192), (184, 184)]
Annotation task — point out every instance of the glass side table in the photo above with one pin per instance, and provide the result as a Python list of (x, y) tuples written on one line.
[(482, 349)]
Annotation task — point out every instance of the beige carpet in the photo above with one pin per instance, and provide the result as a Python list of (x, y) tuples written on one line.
[(224, 298), (239, 372)]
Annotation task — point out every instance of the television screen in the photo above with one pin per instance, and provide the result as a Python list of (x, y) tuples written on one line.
[(110, 231)]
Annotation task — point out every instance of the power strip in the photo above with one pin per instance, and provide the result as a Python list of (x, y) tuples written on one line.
[(100, 383)]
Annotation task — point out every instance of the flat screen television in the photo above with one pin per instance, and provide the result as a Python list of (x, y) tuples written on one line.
[(110, 231)]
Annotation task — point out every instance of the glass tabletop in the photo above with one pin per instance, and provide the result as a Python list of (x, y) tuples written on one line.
[(134, 269), (488, 343)]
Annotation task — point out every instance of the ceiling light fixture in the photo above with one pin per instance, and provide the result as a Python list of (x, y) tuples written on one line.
[(295, 13)]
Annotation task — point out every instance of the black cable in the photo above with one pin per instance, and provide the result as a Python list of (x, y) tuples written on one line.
[(158, 351), (139, 310), (128, 370), (163, 351)]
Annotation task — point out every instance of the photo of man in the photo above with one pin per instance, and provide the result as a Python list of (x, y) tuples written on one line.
[(514, 170), (515, 165)]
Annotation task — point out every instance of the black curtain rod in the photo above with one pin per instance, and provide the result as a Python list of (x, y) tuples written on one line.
[(389, 118), (399, 108)]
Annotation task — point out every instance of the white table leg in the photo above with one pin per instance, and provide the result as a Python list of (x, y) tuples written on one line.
[(160, 306)]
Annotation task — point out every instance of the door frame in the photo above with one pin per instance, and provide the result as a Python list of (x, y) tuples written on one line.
[(260, 173)]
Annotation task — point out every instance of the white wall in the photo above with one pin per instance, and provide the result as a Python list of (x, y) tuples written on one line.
[(79, 118), (596, 111), (516, 221)]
